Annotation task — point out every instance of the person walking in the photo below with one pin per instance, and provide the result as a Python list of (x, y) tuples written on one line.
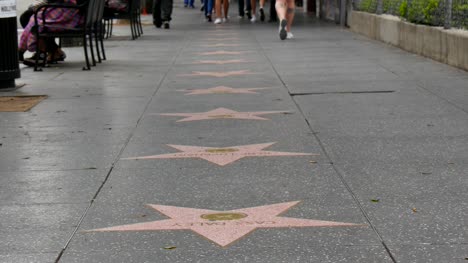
[(208, 7), (285, 11), (247, 11), (254, 10), (162, 12), (273, 17), (189, 3), (222, 10)]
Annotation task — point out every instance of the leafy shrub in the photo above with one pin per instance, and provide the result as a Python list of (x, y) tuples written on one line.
[(460, 15), (429, 12), (391, 7), (369, 6), (403, 9)]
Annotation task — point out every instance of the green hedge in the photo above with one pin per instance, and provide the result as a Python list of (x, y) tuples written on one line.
[(428, 12)]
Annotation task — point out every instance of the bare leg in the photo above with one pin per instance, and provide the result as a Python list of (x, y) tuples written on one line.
[(290, 14), (226, 8), (253, 3), (219, 13), (262, 3), (281, 9)]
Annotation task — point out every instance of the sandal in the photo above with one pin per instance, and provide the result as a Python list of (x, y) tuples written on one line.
[(56, 57), (31, 62)]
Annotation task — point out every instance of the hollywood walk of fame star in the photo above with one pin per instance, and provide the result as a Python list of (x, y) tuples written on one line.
[(221, 113), (224, 227), (221, 62), (222, 90), (219, 74), (221, 52), (219, 155)]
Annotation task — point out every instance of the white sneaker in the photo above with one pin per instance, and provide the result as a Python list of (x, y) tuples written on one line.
[(218, 21), (290, 36), (253, 19), (225, 19)]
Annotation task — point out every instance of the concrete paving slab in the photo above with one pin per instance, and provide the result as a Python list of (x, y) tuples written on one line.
[(453, 90), (406, 112), (183, 254), (369, 143), (49, 187), (43, 228), (426, 209), (59, 157), (48, 136), (80, 112), (29, 257), (431, 253)]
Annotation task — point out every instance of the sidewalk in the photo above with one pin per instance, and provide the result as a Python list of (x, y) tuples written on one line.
[(326, 148)]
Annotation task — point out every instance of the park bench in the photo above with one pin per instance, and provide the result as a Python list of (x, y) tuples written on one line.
[(91, 29), (132, 13)]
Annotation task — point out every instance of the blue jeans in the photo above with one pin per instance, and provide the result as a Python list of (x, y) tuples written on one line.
[(208, 6), (188, 2)]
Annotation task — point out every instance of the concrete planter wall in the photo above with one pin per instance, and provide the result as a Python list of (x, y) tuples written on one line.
[(447, 46)]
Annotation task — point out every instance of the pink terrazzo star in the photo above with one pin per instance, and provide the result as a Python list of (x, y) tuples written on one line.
[(220, 74), (222, 62), (224, 227), (223, 90), (221, 113), (221, 52), (217, 155)]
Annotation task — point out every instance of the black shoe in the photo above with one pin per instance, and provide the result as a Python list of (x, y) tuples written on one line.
[(282, 30), (208, 18), (157, 24), (249, 15), (262, 15), (166, 25), (202, 8), (185, 6), (30, 62)]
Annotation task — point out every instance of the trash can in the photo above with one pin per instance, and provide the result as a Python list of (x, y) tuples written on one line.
[(9, 66)]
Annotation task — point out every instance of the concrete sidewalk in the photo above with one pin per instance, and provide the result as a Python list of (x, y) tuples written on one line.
[(208, 143)]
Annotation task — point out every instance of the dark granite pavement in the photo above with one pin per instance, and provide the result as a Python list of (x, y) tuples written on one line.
[(388, 132)]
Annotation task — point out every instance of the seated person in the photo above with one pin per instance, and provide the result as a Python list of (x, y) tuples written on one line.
[(65, 17), (115, 6)]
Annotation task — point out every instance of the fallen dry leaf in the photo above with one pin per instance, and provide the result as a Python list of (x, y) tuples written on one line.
[(170, 248)]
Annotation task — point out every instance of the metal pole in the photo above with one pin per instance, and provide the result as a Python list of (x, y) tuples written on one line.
[(379, 7), (343, 13), (448, 14), (9, 65)]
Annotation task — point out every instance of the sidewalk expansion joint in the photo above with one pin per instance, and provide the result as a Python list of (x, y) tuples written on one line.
[(342, 92), (327, 155), (118, 157)]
